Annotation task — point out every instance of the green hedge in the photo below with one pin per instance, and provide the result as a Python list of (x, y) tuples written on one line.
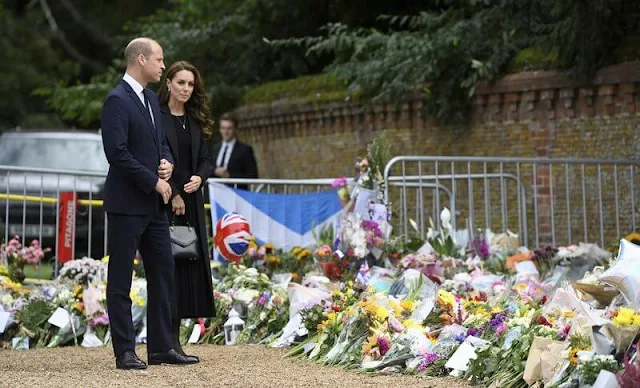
[(317, 87)]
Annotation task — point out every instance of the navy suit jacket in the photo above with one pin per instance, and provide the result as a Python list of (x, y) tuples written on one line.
[(133, 148)]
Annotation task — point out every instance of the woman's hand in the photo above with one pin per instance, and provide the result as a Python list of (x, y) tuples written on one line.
[(177, 205), (193, 185)]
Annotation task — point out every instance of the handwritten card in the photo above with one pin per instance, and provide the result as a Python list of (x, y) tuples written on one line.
[(60, 318)]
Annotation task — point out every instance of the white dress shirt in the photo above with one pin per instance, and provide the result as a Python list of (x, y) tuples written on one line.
[(138, 89), (229, 147)]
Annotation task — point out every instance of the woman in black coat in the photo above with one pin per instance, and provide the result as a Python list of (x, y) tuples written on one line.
[(188, 125)]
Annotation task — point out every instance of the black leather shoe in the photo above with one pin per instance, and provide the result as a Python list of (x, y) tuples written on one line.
[(129, 360), (171, 357)]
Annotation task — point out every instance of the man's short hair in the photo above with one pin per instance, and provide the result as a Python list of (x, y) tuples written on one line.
[(136, 47), (230, 117)]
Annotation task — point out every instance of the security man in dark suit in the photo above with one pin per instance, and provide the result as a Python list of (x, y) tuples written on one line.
[(233, 159)]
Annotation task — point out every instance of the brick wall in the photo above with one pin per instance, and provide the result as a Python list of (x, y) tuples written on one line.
[(533, 114)]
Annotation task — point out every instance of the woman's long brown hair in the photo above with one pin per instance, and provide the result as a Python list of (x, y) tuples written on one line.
[(198, 104)]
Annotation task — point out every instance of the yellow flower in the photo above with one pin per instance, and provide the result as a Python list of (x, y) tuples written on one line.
[(568, 314), (496, 310), (397, 308), (331, 316), (520, 287), (372, 342), (481, 311), (407, 305), (625, 317), (268, 246), (636, 320), (296, 250), (446, 299), (136, 262), (411, 324), (77, 291), (381, 313), (335, 293), (432, 338), (273, 260)]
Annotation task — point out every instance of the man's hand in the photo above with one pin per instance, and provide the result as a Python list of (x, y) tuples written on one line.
[(222, 172), (177, 205), (164, 189), (193, 185), (165, 169)]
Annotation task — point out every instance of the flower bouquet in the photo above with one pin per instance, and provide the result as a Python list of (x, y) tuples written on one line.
[(16, 256), (83, 271)]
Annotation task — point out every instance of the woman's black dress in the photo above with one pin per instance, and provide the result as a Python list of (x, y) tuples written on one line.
[(191, 275)]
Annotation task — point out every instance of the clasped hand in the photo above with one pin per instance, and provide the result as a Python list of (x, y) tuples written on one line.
[(164, 172)]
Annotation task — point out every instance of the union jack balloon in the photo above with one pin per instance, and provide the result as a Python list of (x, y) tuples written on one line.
[(232, 236)]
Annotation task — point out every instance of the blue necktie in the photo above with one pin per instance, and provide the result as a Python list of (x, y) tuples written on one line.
[(146, 105)]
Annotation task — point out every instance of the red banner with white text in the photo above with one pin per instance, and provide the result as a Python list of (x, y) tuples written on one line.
[(66, 226)]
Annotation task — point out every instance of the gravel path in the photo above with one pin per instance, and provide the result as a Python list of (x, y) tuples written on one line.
[(220, 366)]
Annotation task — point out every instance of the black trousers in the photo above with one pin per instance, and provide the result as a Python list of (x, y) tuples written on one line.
[(149, 235)]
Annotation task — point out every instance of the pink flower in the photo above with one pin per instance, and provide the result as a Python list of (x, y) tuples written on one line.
[(252, 252), (339, 182), (262, 251), (395, 325)]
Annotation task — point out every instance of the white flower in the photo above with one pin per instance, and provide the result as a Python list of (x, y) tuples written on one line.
[(7, 300), (445, 218), (251, 272), (585, 356)]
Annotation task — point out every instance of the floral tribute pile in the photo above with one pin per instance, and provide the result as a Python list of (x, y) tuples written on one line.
[(478, 306)]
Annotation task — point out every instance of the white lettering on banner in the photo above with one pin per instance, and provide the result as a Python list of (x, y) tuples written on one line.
[(71, 215)]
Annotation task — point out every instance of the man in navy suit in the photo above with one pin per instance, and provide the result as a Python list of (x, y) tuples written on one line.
[(136, 189)]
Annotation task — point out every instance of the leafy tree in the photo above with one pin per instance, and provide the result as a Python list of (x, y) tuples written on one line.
[(444, 51), (28, 62)]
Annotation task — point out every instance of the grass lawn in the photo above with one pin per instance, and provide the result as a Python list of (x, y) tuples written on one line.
[(44, 271)]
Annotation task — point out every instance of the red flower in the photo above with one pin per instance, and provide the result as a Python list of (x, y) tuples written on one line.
[(540, 320), (350, 252), (544, 299), (335, 308)]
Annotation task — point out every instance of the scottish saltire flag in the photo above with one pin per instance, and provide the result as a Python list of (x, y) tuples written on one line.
[(284, 220)]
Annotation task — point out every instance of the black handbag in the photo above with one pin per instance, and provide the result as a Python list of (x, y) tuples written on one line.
[(184, 241)]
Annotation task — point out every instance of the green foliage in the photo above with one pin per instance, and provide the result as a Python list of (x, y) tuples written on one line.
[(536, 58), (28, 61), (445, 50), (318, 87), (81, 103)]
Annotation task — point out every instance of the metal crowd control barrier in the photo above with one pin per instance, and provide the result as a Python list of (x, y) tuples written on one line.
[(545, 201)]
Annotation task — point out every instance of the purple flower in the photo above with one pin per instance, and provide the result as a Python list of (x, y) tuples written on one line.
[(373, 227), (460, 337), (480, 248), (395, 325), (473, 332), (496, 322), (429, 358), (102, 319), (383, 345), (336, 244)]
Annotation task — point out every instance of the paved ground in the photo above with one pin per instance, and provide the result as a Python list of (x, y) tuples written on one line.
[(242, 366)]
